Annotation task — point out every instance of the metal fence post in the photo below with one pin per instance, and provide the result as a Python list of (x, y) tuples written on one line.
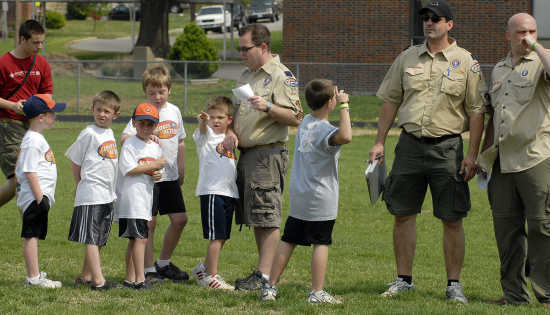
[(78, 88), (185, 88)]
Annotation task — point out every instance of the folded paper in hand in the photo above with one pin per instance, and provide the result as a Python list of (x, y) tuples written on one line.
[(375, 175), (243, 93)]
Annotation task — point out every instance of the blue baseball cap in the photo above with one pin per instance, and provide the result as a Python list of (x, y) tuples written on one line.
[(40, 104)]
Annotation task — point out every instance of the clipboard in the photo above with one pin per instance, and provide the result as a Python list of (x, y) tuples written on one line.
[(375, 175)]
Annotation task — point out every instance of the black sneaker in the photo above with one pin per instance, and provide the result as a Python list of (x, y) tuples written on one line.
[(153, 278), (80, 282), (107, 286), (252, 282), (145, 286), (172, 272), (127, 284)]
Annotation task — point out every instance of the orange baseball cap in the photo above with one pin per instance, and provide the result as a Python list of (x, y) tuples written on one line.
[(146, 111)]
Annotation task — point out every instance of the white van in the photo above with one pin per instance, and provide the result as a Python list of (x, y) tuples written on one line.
[(212, 18)]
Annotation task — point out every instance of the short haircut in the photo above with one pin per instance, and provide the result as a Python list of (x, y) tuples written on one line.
[(319, 92), (30, 27), (258, 32), (107, 97), (156, 76), (221, 103)]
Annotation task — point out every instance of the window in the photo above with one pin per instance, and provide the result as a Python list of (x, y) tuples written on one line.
[(540, 11)]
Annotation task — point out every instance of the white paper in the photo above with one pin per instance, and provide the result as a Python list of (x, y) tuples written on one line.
[(483, 180), (371, 168), (243, 93)]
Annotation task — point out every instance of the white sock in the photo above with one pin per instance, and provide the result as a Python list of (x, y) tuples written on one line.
[(150, 269), (33, 279), (163, 263), (266, 277)]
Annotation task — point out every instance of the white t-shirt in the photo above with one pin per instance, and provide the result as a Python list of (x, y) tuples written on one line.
[(171, 132), (217, 167), (37, 157), (96, 153), (135, 193)]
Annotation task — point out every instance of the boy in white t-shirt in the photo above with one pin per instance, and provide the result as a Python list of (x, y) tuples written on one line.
[(167, 196), (216, 187), (94, 158), (36, 175), (139, 166), (313, 188)]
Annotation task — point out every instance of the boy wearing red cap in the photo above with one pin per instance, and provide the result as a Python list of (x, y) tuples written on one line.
[(139, 166), (36, 175)]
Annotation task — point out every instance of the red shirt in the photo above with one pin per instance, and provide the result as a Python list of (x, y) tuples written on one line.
[(13, 71)]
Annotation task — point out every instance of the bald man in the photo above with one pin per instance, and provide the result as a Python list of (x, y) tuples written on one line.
[(518, 156)]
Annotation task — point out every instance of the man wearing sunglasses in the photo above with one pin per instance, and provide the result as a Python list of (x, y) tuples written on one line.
[(436, 91), (520, 160), (261, 127)]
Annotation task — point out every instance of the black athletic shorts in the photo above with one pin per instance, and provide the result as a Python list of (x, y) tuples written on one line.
[(167, 198), (306, 233)]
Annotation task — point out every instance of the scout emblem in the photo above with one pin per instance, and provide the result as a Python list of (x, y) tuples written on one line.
[(524, 73), (267, 81), (455, 63)]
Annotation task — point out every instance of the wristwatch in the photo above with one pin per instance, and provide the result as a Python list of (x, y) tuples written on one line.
[(268, 107)]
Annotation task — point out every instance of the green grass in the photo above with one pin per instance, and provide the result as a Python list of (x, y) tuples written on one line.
[(360, 259)]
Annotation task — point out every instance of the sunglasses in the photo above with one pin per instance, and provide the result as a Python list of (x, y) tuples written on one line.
[(246, 49), (434, 18)]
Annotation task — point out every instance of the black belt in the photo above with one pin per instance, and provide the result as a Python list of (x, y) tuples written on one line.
[(431, 140)]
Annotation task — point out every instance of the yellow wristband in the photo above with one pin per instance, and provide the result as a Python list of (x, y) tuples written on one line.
[(344, 105), (533, 45)]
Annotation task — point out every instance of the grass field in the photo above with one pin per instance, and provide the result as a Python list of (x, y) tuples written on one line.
[(360, 259)]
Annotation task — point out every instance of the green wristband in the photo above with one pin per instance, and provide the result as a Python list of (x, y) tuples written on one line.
[(533, 45), (344, 105)]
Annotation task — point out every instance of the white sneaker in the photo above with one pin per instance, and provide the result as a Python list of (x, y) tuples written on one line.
[(215, 282), (322, 297), (269, 292), (454, 293), (43, 282), (397, 287), (199, 272)]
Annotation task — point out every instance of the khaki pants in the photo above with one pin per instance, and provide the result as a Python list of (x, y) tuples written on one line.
[(516, 198)]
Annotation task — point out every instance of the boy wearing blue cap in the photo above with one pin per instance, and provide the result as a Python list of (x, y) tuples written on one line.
[(36, 175)]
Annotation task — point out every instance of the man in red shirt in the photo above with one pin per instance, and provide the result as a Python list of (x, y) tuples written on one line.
[(23, 73)]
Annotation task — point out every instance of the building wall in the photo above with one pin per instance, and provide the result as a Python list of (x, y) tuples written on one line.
[(376, 31)]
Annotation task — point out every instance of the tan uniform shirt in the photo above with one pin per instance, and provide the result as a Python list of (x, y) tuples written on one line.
[(435, 94), (520, 96), (276, 84)]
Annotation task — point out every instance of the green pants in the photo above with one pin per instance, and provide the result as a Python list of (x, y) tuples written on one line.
[(517, 198)]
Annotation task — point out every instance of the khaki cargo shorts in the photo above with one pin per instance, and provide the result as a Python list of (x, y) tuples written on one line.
[(11, 135), (260, 179)]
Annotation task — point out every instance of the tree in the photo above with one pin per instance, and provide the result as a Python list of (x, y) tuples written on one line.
[(153, 29)]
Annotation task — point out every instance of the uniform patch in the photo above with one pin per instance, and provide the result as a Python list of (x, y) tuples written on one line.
[(267, 81), (524, 73), (455, 63), (224, 152), (291, 82), (107, 150), (167, 129), (475, 68), (146, 161), (289, 74), (49, 156)]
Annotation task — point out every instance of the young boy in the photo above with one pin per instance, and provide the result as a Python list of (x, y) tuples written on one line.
[(139, 166), (36, 175), (313, 188), (216, 187), (94, 159), (168, 198)]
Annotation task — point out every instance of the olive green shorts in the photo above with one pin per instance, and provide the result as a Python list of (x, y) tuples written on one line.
[(433, 162), (11, 135), (260, 179)]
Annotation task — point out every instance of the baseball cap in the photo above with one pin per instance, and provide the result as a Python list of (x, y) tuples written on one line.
[(146, 111), (438, 7), (40, 104)]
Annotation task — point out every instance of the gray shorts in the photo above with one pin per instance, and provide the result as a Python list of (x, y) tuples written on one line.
[(420, 163), (260, 179), (91, 224)]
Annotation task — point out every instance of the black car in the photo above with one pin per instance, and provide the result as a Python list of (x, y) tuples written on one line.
[(263, 9), (122, 12)]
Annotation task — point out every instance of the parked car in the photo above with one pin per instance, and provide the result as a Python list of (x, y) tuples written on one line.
[(122, 12), (212, 18), (263, 9)]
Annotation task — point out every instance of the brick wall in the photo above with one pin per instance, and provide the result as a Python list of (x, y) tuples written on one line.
[(376, 31)]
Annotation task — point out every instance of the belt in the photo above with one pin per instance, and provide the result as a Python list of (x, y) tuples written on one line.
[(431, 139), (277, 144), (13, 121)]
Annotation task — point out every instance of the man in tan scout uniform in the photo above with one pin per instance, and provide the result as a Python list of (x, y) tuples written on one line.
[(261, 127), (519, 156), (436, 89)]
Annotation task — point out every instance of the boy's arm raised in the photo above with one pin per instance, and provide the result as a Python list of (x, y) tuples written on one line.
[(344, 134)]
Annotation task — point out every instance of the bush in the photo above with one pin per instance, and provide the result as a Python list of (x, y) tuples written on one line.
[(194, 45), (54, 20), (78, 11)]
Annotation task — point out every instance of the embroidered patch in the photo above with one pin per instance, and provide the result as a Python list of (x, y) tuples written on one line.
[(524, 73), (267, 81), (475, 68), (455, 63), (291, 82), (289, 74)]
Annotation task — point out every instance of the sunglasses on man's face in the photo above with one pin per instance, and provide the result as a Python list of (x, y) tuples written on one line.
[(434, 18)]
